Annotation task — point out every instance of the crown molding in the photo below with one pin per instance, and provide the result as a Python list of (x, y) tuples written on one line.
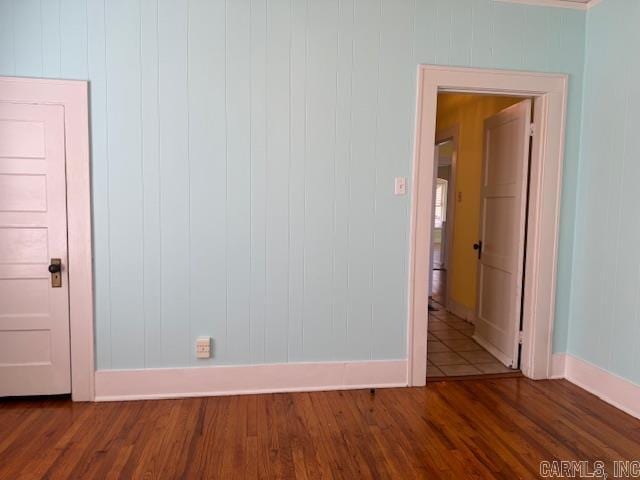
[(556, 3)]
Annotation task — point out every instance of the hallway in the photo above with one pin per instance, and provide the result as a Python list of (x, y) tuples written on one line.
[(452, 352)]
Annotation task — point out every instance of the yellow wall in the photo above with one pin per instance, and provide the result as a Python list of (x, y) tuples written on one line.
[(468, 112)]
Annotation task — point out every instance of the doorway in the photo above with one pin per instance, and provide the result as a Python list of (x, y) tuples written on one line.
[(548, 94), (474, 328), (46, 279)]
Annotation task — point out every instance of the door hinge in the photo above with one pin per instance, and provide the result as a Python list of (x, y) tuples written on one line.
[(532, 129), (520, 337)]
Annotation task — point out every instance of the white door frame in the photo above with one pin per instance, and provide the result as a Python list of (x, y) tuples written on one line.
[(550, 97), (450, 134), (73, 96)]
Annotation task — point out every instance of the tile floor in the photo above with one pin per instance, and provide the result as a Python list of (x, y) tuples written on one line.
[(452, 352)]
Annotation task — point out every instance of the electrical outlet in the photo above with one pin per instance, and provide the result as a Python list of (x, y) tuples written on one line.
[(203, 347), (400, 186)]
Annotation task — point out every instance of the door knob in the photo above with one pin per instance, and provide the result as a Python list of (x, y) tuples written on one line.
[(55, 267), (478, 247)]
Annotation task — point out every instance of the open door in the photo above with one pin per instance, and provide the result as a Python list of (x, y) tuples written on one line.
[(502, 231)]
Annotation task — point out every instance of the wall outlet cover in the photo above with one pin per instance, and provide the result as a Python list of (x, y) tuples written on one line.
[(203, 347), (400, 186)]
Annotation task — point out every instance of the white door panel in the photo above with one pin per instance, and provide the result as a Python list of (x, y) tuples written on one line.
[(34, 316), (502, 231)]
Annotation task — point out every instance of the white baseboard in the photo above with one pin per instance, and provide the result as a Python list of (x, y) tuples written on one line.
[(461, 311), (156, 383), (615, 390)]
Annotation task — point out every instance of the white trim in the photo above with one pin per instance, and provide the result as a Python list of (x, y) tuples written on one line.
[(558, 366), (611, 388), (555, 3), (550, 92), (250, 379), (73, 96)]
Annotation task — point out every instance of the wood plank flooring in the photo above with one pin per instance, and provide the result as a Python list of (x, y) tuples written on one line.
[(494, 428)]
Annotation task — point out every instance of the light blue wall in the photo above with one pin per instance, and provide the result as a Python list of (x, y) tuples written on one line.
[(244, 154), (605, 308)]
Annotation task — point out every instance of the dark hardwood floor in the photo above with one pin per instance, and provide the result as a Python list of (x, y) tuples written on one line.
[(495, 428)]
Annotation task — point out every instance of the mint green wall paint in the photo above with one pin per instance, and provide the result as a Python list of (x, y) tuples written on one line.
[(243, 161), (605, 326)]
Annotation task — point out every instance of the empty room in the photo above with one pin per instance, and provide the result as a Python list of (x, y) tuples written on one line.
[(319, 239)]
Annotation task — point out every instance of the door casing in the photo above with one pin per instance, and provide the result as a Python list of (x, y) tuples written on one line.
[(72, 95), (549, 92)]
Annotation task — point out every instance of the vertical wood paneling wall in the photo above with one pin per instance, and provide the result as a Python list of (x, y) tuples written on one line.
[(243, 161), (605, 308)]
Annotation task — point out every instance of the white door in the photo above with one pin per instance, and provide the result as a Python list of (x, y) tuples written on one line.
[(34, 315), (502, 231)]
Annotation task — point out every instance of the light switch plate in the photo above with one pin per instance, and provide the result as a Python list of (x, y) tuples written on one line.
[(400, 186)]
